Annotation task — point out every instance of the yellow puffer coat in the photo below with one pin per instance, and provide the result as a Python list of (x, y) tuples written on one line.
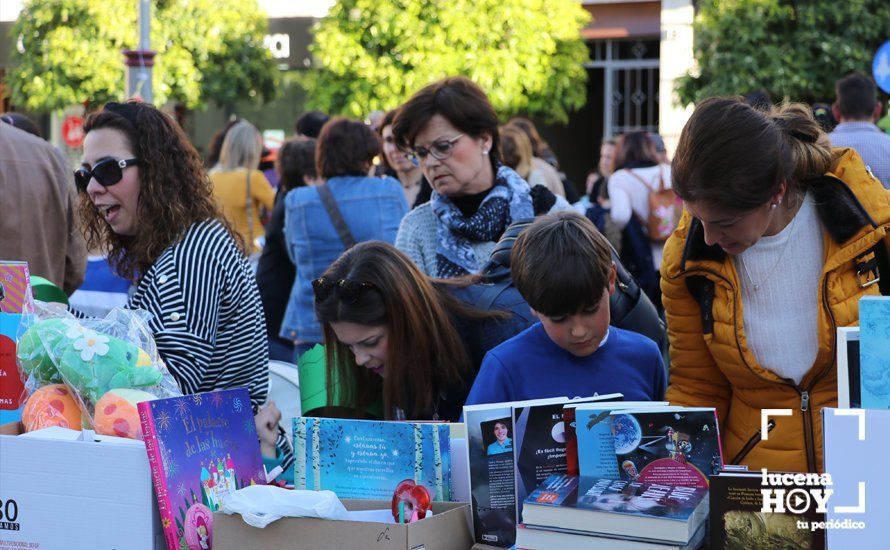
[(711, 364)]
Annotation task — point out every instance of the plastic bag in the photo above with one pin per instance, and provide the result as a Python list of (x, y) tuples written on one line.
[(260, 505), (95, 368)]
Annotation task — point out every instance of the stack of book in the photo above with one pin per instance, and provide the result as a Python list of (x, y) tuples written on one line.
[(642, 480), (572, 512)]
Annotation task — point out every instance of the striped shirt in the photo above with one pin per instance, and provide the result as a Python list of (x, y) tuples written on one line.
[(207, 320)]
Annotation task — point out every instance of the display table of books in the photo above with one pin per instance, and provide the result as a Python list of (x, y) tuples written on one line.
[(182, 472)]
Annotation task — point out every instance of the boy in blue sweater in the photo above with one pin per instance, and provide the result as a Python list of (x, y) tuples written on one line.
[(563, 268)]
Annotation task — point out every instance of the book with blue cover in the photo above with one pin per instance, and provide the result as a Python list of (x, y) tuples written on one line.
[(604, 506), (593, 431), (366, 459), (874, 352), (677, 446)]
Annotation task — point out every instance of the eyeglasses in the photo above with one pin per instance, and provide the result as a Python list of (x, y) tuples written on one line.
[(107, 172), (440, 150), (348, 291)]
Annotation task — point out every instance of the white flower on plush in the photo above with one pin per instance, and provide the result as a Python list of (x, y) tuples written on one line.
[(75, 330), (91, 344)]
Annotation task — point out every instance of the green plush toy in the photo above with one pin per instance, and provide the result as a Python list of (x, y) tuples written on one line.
[(57, 350)]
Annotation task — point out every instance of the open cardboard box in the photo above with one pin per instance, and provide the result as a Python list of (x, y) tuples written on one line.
[(448, 528), (67, 490)]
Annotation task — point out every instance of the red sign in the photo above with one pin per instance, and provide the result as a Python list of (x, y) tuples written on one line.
[(72, 131)]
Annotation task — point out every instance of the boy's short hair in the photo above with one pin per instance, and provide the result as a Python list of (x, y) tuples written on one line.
[(561, 264)]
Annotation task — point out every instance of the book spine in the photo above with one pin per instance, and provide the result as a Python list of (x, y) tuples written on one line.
[(158, 477)]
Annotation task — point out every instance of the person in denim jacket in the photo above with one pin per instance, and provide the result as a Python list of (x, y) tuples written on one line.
[(372, 209)]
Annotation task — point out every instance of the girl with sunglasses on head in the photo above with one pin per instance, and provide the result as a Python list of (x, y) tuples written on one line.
[(452, 130), (781, 237), (394, 335), (146, 198)]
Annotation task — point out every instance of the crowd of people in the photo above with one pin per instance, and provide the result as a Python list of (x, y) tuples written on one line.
[(442, 259)]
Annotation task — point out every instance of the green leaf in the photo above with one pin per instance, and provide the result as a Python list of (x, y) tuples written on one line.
[(207, 50), (527, 55)]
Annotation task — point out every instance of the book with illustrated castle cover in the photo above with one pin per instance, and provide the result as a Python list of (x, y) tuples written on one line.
[(200, 448)]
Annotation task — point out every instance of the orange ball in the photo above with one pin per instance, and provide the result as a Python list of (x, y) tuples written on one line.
[(53, 405), (116, 413)]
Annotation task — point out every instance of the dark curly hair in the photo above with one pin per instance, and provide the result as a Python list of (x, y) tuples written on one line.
[(174, 190)]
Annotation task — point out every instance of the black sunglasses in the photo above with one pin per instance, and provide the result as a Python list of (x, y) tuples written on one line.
[(348, 291), (107, 172)]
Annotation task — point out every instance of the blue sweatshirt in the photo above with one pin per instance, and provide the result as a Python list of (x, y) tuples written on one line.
[(531, 366)]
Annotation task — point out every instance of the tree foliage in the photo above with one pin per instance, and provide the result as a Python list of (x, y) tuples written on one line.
[(792, 49), (206, 50), (527, 55)]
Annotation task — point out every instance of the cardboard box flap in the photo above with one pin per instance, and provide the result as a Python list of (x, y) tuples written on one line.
[(447, 529)]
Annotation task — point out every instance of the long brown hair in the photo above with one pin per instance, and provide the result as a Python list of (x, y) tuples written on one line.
[(174, 190), (735, 157), (425, 353)]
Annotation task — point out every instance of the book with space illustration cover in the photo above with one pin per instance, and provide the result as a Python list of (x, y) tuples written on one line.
[(200, 448), (672, 446), (593, 431), (366, 459)]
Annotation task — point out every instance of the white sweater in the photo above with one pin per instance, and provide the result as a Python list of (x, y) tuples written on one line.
[(629, 196), (782, 316)]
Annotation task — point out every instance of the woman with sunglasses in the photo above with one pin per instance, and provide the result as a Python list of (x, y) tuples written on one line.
[(781, 237), (393, 335), (324, 220), (399, 164), (146, 198), (452, 129)]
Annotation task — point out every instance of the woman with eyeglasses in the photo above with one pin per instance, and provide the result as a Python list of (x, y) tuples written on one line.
[(399, 164), (324, 220), (781, 237), (395, 336), (452, 130), (146, 198)]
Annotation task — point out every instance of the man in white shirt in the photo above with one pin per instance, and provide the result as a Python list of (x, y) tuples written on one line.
[(857, 109)]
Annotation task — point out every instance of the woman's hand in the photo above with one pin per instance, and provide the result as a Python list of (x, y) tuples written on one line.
[(266, 421)]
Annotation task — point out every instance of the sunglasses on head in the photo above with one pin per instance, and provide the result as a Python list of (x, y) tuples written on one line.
[(348, 291), (107, 172)]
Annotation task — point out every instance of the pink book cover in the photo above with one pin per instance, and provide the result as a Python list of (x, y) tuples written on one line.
[(15, 292), (200, 448)]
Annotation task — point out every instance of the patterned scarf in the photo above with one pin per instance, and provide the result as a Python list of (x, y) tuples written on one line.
[(510, 199)]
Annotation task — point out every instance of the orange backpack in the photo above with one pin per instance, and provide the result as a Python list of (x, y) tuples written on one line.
[(665, 209)]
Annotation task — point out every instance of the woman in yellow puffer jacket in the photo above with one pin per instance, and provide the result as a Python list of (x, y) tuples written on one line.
[(781, 237)]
